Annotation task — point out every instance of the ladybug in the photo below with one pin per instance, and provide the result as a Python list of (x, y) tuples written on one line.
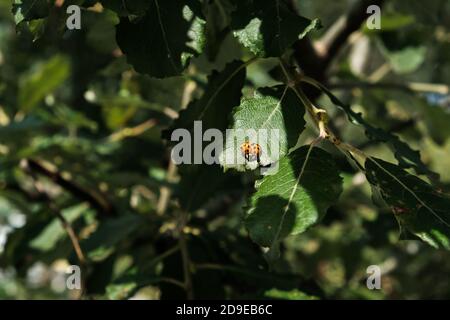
[(255, 150), (246, 150), (251, 151)]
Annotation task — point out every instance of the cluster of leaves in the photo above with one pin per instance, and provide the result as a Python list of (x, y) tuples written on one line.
[(85, 123)]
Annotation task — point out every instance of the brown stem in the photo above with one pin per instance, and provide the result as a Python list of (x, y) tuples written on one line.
[(44, 195), (185, 257), (73, 237), (315, 59), (412, 87), (166, 191), (94, 198), (336, 36)]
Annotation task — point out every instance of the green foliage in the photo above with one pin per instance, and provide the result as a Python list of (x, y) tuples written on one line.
[(268, 28), (172, 35), (419, 208), (406, 156), (222, 94), (42, 81), (270, 108), (290, 201), (86, 170), (29, 10)]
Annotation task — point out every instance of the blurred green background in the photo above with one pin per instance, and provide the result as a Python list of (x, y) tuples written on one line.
[(70, 102)]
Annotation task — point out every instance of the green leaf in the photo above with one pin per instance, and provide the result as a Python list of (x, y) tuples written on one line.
[(104, 240), (406, 156), (288, 295), (37, 28), (161, 43), (120, 291), (270, 108), (220, 97), (54, 232), (392, 22), (268, 28), (213, 109), (199, 183), (101, 34), (127, 7), (43, 80), (295, 198), (406, 60), (218, 19), (437, 121), (26, 10), (418, 207)]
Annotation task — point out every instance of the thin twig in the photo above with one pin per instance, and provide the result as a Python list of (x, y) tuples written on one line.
[(412, 87), (184, 215), (165, 192), (336, 36), (185, 257), (172, 281), (66, 226), (73, 237), (132, 132), (315, 59)]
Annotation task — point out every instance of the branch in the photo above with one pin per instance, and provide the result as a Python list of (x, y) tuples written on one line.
[(45, 196), (132, 132), (394, 129), (315, 59), (166, 191), (412, 87), (185, 257), (73, 237), (336, 36), (97, 200)]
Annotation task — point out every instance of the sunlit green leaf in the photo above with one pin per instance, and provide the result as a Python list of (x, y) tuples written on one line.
[(275, 108)]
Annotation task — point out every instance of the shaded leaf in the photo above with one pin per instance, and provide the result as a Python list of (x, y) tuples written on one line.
[(127, 7), (101, 34), (201, 182), (294, 198), (42, 81), (220, 97), (288, 295), (103, 241), (26, 10), (54, 232), (406, 156), (268, 28), (437, 121), (161, 43), (406, 60), (418, 207), (213, 109), (218, 18)]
